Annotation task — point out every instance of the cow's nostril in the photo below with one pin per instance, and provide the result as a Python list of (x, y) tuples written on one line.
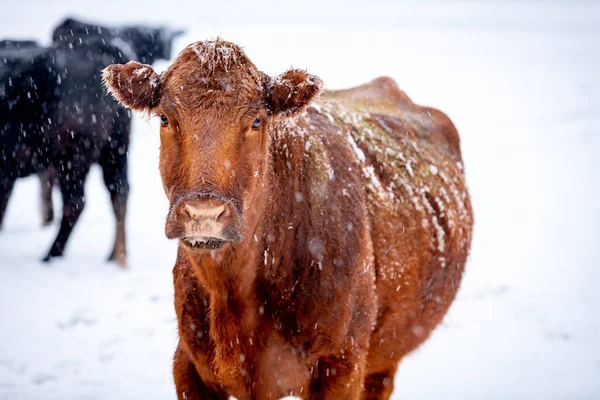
[(223, 215), (188, 211)]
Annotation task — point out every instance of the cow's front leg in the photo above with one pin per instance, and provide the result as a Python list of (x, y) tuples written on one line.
[(188, 383), (72, 183), (339, 378), (379, 385)]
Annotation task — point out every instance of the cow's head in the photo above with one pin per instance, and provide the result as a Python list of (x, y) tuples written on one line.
[(142, 43), (215, 109), (150, 44)]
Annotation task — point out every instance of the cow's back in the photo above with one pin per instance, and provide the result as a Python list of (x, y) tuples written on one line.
[(382, 96)]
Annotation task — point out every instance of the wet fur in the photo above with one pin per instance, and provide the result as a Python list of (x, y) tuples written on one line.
[(357, 226)]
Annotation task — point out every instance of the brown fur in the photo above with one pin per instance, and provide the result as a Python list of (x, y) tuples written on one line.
[(354, 221), (133, 83)]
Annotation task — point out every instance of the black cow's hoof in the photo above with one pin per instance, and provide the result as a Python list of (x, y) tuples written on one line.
[(47, 259), (53, 253)]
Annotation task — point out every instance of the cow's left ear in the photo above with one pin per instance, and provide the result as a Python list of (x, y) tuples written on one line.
[(134, 85), (291, 92)]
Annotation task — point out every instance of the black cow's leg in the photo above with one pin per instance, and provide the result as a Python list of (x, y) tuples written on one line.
[(6, 187), (47, 179), (114, 168), (71, 186)]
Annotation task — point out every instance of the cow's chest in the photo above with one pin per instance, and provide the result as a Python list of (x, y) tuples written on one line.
[(266, 366)]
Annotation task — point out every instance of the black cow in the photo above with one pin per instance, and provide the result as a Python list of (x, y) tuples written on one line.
[(52, 115), (56, 120), (139, 43), (26, 96), (13, 62)]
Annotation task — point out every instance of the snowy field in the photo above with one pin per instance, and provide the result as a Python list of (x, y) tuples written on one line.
[(521, 80)]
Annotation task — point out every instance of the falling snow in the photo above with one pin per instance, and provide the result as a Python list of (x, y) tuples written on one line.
[(81, 329)]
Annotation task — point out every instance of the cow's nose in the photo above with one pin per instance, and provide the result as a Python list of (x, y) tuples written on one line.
[(206, 219), (204, 222), (199, 213)]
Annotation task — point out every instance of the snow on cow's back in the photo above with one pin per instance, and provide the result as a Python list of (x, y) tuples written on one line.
[(406, 161)]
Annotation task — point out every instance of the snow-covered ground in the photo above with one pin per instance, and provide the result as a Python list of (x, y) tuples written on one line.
[(521, 81)]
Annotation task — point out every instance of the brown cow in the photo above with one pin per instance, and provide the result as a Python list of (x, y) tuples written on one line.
[(318, 244)]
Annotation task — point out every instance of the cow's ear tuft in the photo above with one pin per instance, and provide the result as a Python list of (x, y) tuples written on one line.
[(134, 85), (291, 92)]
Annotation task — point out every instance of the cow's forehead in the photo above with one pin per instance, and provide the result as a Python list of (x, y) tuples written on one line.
[(212, 66)]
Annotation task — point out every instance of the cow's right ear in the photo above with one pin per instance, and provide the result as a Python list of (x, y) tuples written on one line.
[(291, 92), (134, 85)]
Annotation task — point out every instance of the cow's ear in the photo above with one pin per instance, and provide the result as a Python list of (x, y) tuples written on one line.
[(134, 85), (291, 92)]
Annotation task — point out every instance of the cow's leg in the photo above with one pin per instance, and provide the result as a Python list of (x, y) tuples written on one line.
[(379, 385), (6, 187), (188, 383), (47, 179), (339, 378), (71, 187), (114, 168)]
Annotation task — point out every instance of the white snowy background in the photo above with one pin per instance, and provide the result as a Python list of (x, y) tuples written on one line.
[(521, 80)]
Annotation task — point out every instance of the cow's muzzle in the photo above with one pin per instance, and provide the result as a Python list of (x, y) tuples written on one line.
[(204, 222)]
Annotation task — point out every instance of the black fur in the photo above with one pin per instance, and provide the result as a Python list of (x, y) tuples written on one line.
[(55, 114)]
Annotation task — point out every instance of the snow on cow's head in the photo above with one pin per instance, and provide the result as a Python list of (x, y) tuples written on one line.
[(215, 109)]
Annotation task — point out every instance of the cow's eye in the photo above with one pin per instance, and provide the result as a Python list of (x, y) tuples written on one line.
[(256, 123), (164, 120)]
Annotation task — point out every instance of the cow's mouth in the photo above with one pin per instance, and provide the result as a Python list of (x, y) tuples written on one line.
[(203, 243)]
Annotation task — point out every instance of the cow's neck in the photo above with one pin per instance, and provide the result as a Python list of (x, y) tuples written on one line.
[(230, 278)]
